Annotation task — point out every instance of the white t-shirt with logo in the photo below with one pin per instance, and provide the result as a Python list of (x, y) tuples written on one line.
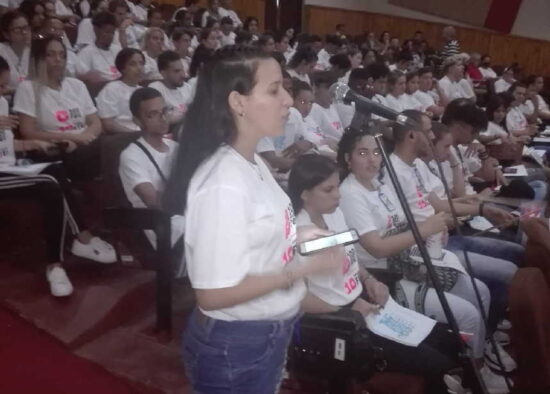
[(177, 99), (501, 85), (61, 9), (228, 39), (342, 287), (294, 131), (368, 211), (239, 222), (114, 102), (92, 58), (402, 103), (424, 98), (415, 181), (135, 168), (61, 111), (7, 151), (151, 68), (495, 130), (452, 89), (515, 119), (19, 66), (328, 120)]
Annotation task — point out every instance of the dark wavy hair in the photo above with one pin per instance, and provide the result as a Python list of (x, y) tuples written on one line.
[(209, 123), (124, 56), (307, 172)]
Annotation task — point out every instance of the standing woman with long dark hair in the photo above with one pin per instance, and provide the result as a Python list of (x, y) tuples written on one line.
[(240, 228)]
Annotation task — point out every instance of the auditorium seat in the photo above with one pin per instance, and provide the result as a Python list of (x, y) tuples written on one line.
[(529, 313)]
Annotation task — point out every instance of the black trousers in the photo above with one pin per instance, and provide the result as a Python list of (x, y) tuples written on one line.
[(431, 359), (51, 190)]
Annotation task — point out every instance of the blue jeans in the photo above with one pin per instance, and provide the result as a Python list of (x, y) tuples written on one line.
[(494, 262), (235, 357)]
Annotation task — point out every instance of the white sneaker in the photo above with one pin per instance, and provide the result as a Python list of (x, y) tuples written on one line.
[(97, 250), (495, 384), (502, 337), (491, 358), (504, 325), (60, 285), (454, 385)]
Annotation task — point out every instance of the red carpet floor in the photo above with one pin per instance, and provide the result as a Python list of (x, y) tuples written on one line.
[(32, 361)]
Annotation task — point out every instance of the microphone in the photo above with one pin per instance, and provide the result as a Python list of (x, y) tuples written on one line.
[(344, 94)]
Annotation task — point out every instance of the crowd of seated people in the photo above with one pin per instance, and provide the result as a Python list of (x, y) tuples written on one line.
[(128, 72)]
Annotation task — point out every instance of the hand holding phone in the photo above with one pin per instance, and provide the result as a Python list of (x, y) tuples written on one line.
[(316, 245)]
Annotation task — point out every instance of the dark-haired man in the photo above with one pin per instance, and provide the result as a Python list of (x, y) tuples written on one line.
[(176, 93), (96, 62), (145, 164)]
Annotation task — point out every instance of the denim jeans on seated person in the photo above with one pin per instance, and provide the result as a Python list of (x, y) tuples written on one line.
[(235, 357), (494, 262)]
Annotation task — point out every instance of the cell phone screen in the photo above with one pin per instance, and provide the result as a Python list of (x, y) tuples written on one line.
[(344, 238)]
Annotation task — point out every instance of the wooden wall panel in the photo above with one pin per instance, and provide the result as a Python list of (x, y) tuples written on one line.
[(533, 55)]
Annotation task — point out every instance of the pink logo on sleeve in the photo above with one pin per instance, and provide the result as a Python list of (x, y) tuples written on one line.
[(62, 116), (288, 225)]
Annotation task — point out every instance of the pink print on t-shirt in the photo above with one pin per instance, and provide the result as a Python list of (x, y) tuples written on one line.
[(62, 115)]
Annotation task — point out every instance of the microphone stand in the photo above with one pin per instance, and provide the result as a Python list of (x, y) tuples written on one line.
[(456, 223), (472, 373)]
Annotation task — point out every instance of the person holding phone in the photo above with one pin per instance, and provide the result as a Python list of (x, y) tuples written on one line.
[(240, 229), (313, 187)]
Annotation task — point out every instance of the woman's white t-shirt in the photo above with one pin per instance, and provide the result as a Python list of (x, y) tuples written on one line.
[(92, 58), (424, 98), (402, 103), (328, 120), (19, 66), (239, 222), (515, 120), (495, 130), (301, 77), (7, 151), (501, 85), (151, 68), (368, 211), (487, 73), (114, 102), (452, 89), (61, 111), (342, 287)]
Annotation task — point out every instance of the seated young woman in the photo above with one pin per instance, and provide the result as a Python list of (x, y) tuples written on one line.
[(55, 108), (51, 189), (313, 189), (113, 100), (373, 208)]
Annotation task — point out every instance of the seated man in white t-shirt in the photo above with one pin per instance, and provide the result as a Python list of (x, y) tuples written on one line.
[(535, 107), (176, 92), (423, 94), (453, 85), (145, 164), (96, 62), (323, 111), (227, 34)]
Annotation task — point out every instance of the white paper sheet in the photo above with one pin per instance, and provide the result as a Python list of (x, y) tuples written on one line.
[(400, 324), (520, 171), (29, 170), (479, 223)]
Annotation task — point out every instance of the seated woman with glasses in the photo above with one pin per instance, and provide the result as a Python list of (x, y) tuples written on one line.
[(16, 31)]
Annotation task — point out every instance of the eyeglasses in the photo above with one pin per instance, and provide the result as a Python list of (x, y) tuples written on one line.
[(20, 29)]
